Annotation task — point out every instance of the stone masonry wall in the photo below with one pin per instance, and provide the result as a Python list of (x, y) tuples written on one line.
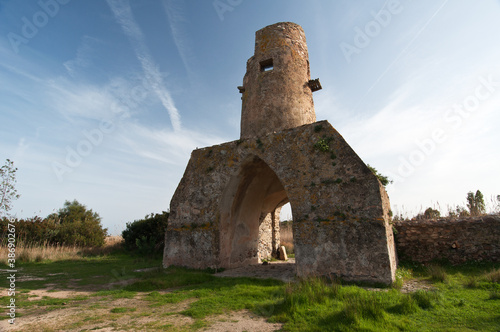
[(340, 209), (266, 236), (277, 99), (468, 239)]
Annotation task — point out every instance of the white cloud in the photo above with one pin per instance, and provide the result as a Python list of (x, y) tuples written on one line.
[(84, 55), (123, 14), (176, 20), (165, 146)]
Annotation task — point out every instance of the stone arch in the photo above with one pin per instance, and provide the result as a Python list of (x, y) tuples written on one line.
[(249, 210), (340, 210)]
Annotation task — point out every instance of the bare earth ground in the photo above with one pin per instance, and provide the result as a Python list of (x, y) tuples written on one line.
[(94, 313), (280, 270)]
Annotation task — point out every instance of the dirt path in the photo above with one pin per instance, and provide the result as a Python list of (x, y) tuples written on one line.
[(101, 314)]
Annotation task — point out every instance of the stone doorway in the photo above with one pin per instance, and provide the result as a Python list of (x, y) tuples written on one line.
[(250, 215), (286, 229)]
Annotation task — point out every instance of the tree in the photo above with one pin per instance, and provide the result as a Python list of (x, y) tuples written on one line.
[(382, 178), (459, 211), (146, 236), (475, 203), (79, 226), (431, 213), (8, 191)]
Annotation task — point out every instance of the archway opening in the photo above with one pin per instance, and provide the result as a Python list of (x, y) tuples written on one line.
[(250, 215), (286, 229)]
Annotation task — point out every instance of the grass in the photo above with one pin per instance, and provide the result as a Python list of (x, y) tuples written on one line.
[(213, 295), (465, 297), (120, 310), (35, 252), (437, 273)]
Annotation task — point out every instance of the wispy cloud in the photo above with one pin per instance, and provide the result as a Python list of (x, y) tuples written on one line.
[(165, 146), (396, 59), (176, 20), (123, 14), (83, 55)]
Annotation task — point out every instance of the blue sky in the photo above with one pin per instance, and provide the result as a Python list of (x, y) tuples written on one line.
[(103, 101)]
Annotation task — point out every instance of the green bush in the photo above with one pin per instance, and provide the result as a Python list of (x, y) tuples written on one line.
[(71, 225), (33, 230), (147, 235), (78, 226)]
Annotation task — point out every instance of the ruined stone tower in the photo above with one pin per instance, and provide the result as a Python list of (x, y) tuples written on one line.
[(275, 91), (225, 211)]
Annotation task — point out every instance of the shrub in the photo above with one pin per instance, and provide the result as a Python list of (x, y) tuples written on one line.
[(73, 225), (147, 235), (33, 230), (431, 213), (78, 226)]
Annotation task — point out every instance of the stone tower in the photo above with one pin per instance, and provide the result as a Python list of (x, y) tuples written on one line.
[(225, 211), (276, 92)]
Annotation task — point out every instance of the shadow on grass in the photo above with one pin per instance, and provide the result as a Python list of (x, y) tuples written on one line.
[(85, 273), (213, 295)]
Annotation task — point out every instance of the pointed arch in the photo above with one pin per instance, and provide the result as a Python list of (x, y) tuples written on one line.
[(249, 211)]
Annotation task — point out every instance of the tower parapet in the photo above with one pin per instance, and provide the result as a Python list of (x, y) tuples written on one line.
[(276, 91)]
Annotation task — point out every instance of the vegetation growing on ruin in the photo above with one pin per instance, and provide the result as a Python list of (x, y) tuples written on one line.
[(323, 144), (382, 178)]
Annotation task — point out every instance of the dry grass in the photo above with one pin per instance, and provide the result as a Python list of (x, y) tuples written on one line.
[(112, 243), (38, 253), (493, 276), (42, 252), (286, 237)]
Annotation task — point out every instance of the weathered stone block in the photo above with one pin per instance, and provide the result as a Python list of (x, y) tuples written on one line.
[(283, 255)]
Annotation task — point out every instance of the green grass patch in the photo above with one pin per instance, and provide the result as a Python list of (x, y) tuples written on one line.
[(462, 298), (95, 270), (120, 310), (117, 294), (212, 295), (170, 278), (437, 273)]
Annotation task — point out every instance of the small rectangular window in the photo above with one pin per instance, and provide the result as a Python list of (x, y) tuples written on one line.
[(266, 65)]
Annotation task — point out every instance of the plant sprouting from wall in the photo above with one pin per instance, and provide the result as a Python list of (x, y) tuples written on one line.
[(382, 178), (323, 144)]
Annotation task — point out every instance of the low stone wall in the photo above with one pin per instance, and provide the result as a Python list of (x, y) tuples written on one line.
[(458, 241)]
